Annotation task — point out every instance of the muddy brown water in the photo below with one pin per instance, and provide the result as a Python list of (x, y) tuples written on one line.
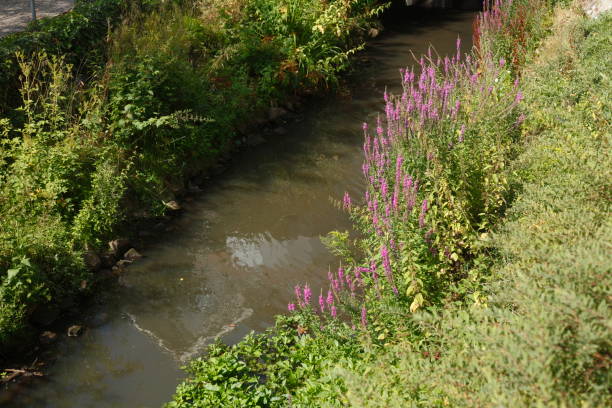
[(231, 261)]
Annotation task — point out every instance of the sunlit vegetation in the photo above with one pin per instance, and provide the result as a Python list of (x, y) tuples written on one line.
[(109, 110), (482, 273)]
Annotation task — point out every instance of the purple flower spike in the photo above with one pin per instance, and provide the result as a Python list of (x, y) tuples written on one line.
[(384, 253), (321, 303), (335, 285), (291, 307), (346, 204), (298, 295), (330, 298), (519, 97), (341, 276), (333, 312), (461, 132), (424, 206), (307, 294)]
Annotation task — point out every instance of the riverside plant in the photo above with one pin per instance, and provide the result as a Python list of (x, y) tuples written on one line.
[(435, 168)]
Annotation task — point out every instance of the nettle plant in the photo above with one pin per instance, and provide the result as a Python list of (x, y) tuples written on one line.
[(436, 173)]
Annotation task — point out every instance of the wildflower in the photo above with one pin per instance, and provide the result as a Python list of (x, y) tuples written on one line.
[(335, 285), (341, 276), (291, 307), (330, 298), (346, 201), (307, 294), (384, 254), (461, 132), (519, 97), (321, 303), (333, 311)]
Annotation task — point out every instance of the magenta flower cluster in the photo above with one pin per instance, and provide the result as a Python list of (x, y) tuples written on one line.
[(418, 130)]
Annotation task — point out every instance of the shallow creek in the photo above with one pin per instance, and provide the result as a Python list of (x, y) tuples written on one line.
[(231, 260)]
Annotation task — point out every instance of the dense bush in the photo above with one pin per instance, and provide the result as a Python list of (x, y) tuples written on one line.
[(451, 298), (79, 36)]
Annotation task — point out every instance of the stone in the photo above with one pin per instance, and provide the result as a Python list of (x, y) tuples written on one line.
[(123, 263), (92, 261), (118, 246), (48, 337), (75, 330), (373, 32), (172, 205), (132, 255)]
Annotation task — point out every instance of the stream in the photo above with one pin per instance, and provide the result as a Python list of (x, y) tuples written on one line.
[(228, 265)]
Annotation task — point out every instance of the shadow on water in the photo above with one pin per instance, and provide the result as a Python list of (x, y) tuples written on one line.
[(229, 263)]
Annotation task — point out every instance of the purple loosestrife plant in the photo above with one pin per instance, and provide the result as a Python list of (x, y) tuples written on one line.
[(417, 153), (307, 295)]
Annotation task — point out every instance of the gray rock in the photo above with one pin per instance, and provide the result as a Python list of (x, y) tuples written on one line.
[(132, 255), (92, 261), (123, 263), (75, 330), (172, 205), (118, 246)]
